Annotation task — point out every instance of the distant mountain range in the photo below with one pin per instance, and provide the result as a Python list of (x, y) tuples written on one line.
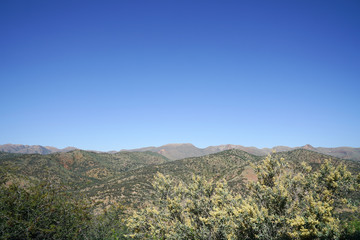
[(186, 150), (31, 149)]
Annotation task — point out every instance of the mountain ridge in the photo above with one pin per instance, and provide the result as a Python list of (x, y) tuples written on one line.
[(33, 149), (176, 151), (171, 150)]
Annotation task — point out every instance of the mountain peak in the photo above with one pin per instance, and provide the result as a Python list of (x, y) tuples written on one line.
[(308, 147), (177, 144)]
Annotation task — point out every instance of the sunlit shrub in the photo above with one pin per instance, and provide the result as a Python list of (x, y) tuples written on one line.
[(286, 202)]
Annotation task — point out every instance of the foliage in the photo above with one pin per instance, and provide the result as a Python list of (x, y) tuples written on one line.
[(92, 174), (40, 212), (43, 211), (352, 230), (286, 202), (296, 201), (108, 225)]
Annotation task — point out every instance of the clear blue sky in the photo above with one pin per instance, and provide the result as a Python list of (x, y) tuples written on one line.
[(109, 75)]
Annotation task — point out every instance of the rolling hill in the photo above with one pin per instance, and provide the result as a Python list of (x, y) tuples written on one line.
[(232, 165), (76, 168), (127, 176)]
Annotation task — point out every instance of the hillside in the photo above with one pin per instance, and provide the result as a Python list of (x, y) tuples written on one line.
[(135, 185), (127, 176), (77, 168), (234, 165)]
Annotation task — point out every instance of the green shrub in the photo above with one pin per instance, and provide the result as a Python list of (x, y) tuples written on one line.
[(33, 210), (41, 212), (108, 225), (352, 230)]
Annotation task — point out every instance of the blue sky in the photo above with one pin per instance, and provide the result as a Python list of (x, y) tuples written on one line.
[(109, 75)]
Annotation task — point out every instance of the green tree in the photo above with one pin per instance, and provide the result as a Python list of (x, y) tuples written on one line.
[(109, 225), (41, 211)]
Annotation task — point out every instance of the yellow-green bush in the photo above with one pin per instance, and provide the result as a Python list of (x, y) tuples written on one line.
[(286, 202)]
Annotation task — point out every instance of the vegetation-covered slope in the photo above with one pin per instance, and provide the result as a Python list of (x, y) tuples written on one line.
[(233, 165), (127, 176), (77, 168)]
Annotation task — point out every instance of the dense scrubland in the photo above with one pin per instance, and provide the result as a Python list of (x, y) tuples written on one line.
[(298, 194)]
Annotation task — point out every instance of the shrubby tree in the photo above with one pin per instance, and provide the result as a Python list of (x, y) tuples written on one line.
[(286, 202), (38, 214), (48, 211), (108, 225), (296, 202), (180, 211), (40, 211)]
